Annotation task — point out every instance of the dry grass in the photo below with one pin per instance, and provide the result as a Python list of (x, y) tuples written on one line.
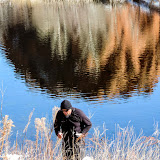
[(124, 145), (5, 131)]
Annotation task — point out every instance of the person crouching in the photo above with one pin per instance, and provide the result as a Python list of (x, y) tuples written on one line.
[(71, 125)]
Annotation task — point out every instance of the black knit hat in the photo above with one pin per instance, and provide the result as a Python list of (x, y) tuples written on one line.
[(66, 105)]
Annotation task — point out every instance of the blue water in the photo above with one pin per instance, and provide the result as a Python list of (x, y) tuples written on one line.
[(19, 101), (141, 110)]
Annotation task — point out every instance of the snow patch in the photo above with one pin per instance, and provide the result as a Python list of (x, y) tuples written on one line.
[(87, 158)]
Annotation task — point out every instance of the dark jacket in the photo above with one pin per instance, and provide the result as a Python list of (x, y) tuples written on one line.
[(76, 122)]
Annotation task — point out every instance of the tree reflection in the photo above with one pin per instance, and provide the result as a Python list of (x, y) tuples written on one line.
[(85, 49)]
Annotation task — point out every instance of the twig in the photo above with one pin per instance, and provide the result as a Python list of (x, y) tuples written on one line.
[(2, 94)]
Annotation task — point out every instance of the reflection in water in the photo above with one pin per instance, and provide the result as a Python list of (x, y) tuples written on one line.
[(87, 49)]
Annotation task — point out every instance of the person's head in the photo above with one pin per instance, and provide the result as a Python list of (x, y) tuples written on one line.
[(66, 108)]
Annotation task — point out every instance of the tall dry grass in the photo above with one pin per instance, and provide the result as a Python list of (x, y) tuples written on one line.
[(124, 145), (42, 148), (5, 130)]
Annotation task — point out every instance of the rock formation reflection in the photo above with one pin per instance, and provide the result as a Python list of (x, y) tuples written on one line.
[(85, 49)]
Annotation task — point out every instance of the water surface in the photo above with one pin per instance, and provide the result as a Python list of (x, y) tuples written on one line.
[(104, 60)]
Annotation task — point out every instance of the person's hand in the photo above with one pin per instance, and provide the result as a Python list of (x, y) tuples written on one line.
[(80, 137), (60, 135)]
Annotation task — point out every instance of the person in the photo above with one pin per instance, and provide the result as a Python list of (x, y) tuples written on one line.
[(71, 125)]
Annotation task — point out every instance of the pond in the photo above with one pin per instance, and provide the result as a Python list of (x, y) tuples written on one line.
[(105, 60)]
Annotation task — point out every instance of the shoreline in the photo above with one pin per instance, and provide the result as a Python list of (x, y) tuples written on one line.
[(125, 144)]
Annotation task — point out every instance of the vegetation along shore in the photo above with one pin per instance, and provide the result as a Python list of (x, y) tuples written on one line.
[(124, 144)]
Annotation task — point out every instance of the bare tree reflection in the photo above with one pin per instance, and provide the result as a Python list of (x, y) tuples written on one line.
[(85, 49)]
